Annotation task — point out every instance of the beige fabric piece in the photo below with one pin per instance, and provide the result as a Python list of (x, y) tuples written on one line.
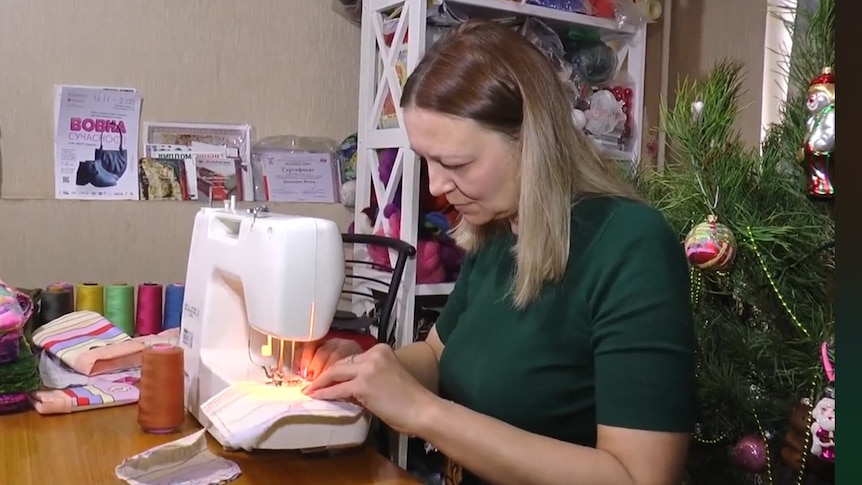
[(185, 461)]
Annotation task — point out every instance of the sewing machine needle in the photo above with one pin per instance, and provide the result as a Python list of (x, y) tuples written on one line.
[(280, 365), (292, 355)]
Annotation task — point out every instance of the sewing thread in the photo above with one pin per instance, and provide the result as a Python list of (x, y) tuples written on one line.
[(148, 318), (174, 294), (63, 285), (120, 306), (54, 303), (90, 297), (160, 406)]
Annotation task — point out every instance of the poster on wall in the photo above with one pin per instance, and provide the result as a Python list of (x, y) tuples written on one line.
[(96, 143)]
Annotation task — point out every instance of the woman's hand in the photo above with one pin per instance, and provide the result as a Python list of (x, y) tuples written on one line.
[(319, 356), (378, 382)]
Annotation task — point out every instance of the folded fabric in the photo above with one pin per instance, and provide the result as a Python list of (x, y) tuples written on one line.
[(92, 345), (83, 398), (15, 308), (186, 461), (243, 413), (57, 375), (10, 348)]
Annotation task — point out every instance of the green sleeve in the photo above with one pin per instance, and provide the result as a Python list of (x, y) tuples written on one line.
[(643, 331), (457, 301)]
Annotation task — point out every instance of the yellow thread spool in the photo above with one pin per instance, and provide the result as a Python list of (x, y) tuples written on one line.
[(90, 297)]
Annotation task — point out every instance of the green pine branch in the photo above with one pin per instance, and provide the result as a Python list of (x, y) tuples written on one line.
[(759, 324)]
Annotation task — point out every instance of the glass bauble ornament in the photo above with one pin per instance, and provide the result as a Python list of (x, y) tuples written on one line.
[(710, 246)]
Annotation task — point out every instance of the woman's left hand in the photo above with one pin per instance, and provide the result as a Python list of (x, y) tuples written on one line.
[(377, 381)]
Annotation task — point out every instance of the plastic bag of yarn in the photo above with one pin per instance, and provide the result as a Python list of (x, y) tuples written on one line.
[(592, 58), (597, 62), (574, 6), (549, 43), (635, 13), (579, 91)]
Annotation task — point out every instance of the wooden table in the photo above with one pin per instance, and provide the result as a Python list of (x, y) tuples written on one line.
[(85, 448)]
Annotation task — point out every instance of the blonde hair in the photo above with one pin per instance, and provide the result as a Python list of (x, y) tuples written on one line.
[(491, 74)]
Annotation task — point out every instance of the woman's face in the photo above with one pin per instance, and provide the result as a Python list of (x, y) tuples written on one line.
[(475, 168)]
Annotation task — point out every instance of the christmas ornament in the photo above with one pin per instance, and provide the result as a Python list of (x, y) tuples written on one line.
[(710, 245), (750, 453), (823, 429), (823, 414), (696, 110), (818, 151), (796, 448)]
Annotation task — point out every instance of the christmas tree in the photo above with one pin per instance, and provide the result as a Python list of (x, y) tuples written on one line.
[(757, 227)]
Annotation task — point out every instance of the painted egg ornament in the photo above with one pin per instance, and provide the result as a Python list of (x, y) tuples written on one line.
[(710, 246)]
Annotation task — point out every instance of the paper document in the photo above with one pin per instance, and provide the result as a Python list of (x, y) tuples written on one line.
[(241, 414), (96, 143), (186, 461)]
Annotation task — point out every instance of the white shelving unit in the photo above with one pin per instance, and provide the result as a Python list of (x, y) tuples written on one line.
[(381, 58)]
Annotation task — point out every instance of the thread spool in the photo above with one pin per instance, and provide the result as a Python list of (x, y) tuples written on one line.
[(148, 317), (160, 406), (174, 294), (55, 302), (61, 285), (120, 306), (90, 296), (653, 10)]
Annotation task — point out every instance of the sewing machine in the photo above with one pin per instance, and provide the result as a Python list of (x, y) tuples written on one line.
[(256, 284)]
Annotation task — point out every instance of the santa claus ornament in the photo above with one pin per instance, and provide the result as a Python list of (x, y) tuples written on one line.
[(818, 150), (823, 416), (823, 429)]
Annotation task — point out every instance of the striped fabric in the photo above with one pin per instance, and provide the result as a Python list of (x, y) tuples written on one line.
[(82, 398), (72, 336)]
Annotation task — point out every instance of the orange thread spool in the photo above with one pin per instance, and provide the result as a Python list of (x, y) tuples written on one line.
[(160, 407)]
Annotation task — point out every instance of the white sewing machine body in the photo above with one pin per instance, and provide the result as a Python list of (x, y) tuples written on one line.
[(256, 275)]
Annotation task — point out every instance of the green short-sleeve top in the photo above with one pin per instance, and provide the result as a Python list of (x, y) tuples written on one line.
[(612, 344)]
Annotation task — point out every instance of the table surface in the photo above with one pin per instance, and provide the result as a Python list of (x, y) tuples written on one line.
[(86, 447)]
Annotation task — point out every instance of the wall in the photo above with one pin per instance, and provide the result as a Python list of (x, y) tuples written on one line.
[(701, 33), (286, 67)]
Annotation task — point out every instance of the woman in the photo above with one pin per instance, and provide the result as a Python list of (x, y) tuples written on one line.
[(565, 354)]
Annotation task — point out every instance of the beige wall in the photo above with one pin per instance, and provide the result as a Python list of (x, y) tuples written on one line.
[(703, 32), (284, 66)]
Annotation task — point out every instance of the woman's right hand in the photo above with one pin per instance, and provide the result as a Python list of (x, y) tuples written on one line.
[(318, 356)]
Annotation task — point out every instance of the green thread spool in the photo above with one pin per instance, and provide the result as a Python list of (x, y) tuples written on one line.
[(120, 306)]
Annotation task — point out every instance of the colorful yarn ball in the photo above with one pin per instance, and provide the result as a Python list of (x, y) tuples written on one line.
[(710, 246)]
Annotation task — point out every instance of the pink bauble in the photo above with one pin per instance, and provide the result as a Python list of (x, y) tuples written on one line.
[(750, 453)]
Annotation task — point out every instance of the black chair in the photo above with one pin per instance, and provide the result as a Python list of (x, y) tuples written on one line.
[(382, 293)]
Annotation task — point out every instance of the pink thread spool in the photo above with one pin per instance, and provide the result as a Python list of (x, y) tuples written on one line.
[(148, 316)]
